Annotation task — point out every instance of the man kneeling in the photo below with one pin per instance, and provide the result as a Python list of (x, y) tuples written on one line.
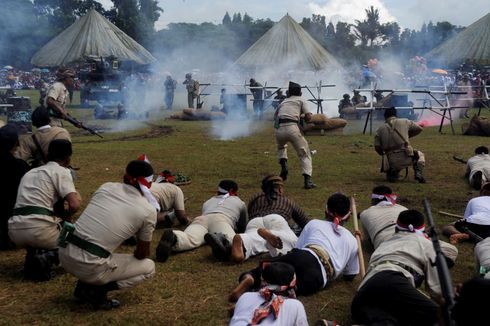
[(115, 213)]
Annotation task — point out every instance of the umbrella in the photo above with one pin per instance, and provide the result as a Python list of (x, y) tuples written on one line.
[(35, 69), (440, 71), (44, 70), (8, 67)]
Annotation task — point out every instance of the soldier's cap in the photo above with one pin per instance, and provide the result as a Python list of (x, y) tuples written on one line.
[(294, 89), (274, 180), (346, 96), (277, 273), (139, 168), (9, 135), (227, 185), (390, 112), (188, 75)]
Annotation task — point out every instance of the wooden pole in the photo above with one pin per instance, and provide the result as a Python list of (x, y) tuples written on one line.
[(451, 215), (362, 267)]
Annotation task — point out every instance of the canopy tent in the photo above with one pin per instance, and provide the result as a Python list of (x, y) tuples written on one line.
[(287, 44), (471, 45), (93, 35)]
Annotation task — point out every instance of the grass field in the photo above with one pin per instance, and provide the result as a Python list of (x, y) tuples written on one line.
[(191, 288)]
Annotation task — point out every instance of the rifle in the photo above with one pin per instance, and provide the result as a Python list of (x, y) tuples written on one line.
[(459, 159), (442, 269), (79, 124)]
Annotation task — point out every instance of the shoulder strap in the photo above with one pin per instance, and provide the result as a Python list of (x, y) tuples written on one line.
[(397, 132)]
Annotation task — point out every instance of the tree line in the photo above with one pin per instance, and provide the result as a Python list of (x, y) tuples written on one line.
[(27, 25)]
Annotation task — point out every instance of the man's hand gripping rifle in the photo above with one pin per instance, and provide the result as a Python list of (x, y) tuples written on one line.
[(442, 269)]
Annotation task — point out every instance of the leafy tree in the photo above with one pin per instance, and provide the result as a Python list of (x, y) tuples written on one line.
[(237, 19), (226, 19)]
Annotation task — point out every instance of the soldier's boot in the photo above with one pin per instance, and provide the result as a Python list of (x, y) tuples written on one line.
[(284, 168), (164, 248), (220, 245), (96, 295), (308, 183), (38, 264), (419, 173)]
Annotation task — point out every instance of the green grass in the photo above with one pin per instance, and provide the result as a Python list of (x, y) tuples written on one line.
[(191, 288)]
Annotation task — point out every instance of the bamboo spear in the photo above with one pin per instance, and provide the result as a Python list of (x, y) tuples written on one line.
[(362, 267)]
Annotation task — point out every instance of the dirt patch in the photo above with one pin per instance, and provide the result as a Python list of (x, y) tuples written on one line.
[(154, 132)]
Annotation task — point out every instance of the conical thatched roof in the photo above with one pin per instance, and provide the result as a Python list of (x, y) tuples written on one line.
[(93, 35), (287, 44), (472, 45)]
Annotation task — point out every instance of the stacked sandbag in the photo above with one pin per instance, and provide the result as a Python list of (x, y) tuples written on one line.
[(324, 124), (478, 126)]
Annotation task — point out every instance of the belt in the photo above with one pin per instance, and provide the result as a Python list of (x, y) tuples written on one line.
[(324, 259), (418, 278), (287, 121), (386, 227), (28, 210), (87, 246)]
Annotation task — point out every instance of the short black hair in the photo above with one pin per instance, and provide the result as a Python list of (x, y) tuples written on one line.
[(59, 149), (228, 185), (278, 273), (411, 216), (338, 204), (40, 117), (9, 136), (390, 112), (139, 168), (481, 150), (382, 190)]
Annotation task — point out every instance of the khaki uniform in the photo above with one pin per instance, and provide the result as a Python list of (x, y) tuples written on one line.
[(59, 92), (169, 196), (192, 87), (393, 138), (482, 255), (115, 213), (40, 187), (480, 162), (28, 150), (379, 221), (220, 215), (291, 109)]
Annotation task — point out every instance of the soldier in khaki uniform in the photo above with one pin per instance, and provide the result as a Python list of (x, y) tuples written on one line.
[(35, 223), (57, 93), (388, 294), (287, 119), (379, 221), (34, 148), (392, 143), (171, 200), (222, 215), (116, 212), (192, 87)]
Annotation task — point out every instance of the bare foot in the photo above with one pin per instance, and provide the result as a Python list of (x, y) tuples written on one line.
[(237, 251), (458, 237), (272, 239), (246, 283)]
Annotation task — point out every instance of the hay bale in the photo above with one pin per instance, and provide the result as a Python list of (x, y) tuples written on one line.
[(329, 126), (478, 126), (318, 119)]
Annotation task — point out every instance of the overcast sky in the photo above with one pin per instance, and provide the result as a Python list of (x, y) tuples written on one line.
[(408, 13)]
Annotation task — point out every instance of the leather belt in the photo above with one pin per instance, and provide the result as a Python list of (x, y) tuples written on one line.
[(418, 278), (287, 121)]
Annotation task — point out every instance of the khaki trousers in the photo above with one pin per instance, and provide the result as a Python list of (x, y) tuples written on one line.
[(193, 236), (35, 233), (254, 244), (290, 132), (125, 269)]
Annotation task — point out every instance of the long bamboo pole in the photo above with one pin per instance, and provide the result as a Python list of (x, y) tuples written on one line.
[(362, 267)]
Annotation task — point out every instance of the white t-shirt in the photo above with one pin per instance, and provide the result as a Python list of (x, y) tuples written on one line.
[(292, 312), (341, 247), (478, 211), (479, 162)]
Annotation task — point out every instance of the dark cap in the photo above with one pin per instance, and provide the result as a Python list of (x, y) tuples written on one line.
[(228, 185), (9, 135), (271, 180), (278, 273), (294, 89), (138, 168), (390, 112)]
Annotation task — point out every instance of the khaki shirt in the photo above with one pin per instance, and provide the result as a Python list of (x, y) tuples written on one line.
[(379, 221), (232, 207), (168, 195), (28, 150), (410, 249), (41, 187), (115, 213), (292, 108), (388, 139), (482, 255), (480, 162), (57, 91)]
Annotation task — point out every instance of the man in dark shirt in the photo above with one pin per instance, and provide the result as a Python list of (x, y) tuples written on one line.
[(12, 171), (268, 229)]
